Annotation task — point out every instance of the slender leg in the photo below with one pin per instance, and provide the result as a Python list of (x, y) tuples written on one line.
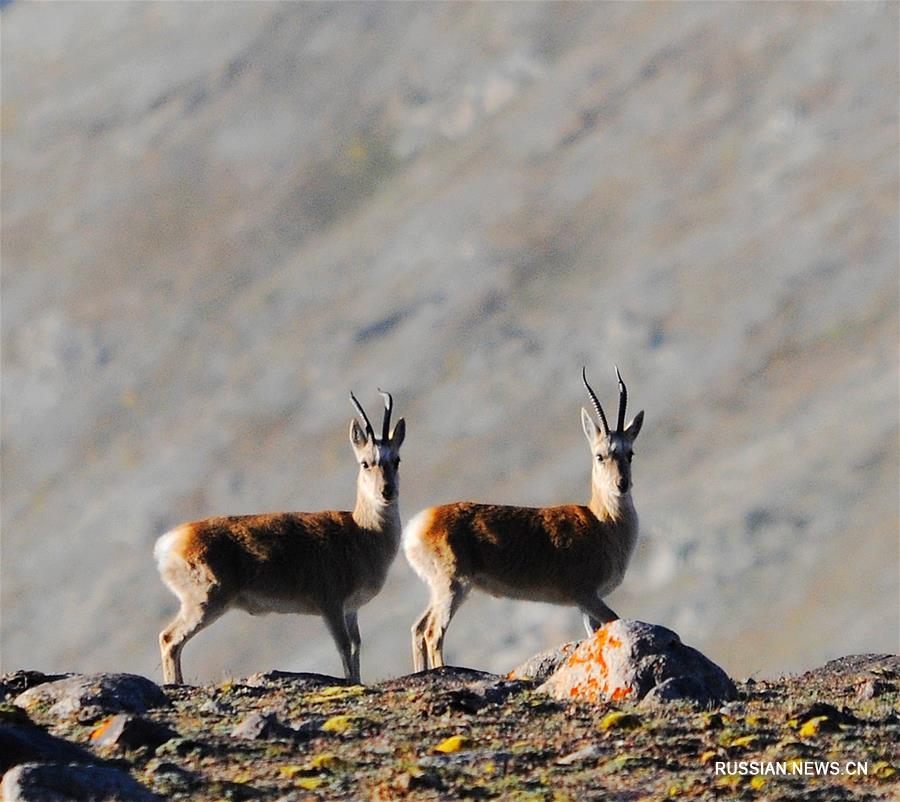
[(595, 614), (419, 649), (352, 623), (337, 626), (191, 618), (443, 608)]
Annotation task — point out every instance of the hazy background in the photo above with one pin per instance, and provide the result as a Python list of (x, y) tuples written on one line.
[(217, 219)]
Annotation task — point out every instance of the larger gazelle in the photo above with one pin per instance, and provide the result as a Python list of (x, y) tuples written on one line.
[(569, 555), (322, 563)]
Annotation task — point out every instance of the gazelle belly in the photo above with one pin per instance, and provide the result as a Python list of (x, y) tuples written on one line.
[(610, 584), (360, 597), (496, 586), (257, 603)]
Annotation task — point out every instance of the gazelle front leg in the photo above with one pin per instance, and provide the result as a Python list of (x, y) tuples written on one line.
[(352, 623), (337, 626), (595, 613)]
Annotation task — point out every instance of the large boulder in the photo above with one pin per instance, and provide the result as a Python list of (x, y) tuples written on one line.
[(540, 666), (91, 696), (631, 661), (55, 782)]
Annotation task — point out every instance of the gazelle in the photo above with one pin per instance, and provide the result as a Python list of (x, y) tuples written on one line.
[(570, 555), (324, 563)]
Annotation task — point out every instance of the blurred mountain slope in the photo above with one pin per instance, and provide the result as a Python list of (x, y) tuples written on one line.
[(218, 220)]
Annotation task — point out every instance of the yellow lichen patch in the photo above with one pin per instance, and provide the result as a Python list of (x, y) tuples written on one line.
[(813, 726), (334, 692), (744, 740), (291, 771), (756, 721), (326, 762), (308, 783), (758, 782), (729, 781), (883, 770), (620, 721), (339, 724), (242, 777), (707, 756), (792, 723), (102, 727), (454, 743)]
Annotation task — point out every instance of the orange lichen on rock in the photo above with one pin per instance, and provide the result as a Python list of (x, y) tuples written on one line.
[(102, 727), (592, 661), (620, 694)]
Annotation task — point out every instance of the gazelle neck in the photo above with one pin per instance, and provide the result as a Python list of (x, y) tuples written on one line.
[(609, 505), (376, 516)]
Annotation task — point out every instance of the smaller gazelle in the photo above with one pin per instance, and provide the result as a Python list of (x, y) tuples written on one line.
[(322, 563), (569, 555)]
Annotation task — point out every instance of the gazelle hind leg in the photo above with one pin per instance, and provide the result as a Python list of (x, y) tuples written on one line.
[(419, 646), (191, 618), (443, 608)]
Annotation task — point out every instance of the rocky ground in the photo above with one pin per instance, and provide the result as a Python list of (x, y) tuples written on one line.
[(451, 733)]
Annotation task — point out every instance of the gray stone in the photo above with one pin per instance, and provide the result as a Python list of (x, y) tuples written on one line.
[(466, 757), (30, 743), (632, 660), (17, 682), (263, 726), (90, 696), (168, 778), (55, 782), (585, 755), (294, 679), (124, 731), (691, 688)]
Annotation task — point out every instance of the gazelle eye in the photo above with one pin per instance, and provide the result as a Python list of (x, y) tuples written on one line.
[(600, 458), (364, 465)]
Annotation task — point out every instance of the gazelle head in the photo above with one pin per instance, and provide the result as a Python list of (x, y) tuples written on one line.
[(378, 457), (612, 450)]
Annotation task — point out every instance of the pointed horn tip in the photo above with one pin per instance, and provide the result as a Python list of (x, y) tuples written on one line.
[(619, 375)]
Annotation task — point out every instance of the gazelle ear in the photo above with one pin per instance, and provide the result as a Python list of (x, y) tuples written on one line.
[(399, 433), (635, 426), (591, 430), (358, 436)]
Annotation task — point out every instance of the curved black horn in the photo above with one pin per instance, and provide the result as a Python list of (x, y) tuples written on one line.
[(388, 406), (623, 401), (369, 430), (597, 406)]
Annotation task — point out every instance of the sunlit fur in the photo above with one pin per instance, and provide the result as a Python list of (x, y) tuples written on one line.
[(324, 563), (569, 555)]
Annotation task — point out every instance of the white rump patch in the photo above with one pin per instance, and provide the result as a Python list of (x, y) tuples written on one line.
[(418, 555), (164, 549)]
